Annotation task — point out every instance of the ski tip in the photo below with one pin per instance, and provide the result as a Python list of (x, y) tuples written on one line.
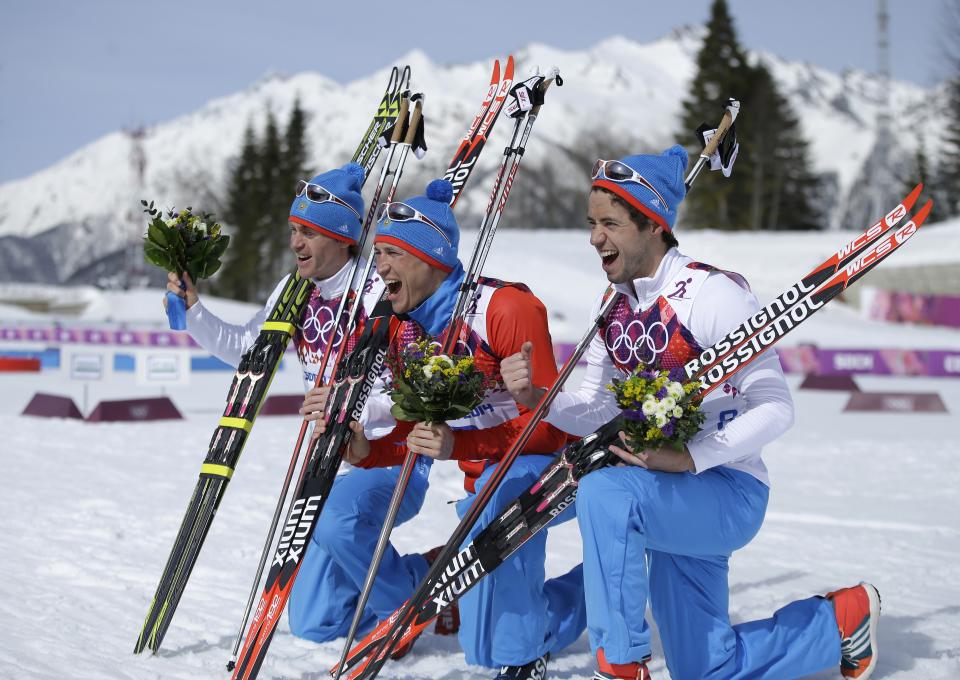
[(912, 196), (922, 214), (495, 76), (509, 72)]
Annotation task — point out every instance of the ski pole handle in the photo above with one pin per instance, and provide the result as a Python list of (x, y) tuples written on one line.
[(729, 115), (725, 123), (414, 121)]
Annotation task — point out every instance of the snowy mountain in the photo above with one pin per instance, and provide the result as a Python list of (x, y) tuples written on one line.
[(55, 223)]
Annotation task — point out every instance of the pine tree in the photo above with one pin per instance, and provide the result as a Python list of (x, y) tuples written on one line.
[(948, 168), (292, 167), (274, 206), (722, 71), (237, 277), (772, 184)]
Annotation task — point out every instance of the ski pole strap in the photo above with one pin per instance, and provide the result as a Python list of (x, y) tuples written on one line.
[(224, 471), (282, 326), (237, 423)]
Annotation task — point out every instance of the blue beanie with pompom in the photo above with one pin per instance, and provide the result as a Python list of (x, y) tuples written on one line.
[(330, 218), (660, 198), (435, 245)]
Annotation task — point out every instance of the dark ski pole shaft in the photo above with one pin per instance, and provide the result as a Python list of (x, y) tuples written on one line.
[(371, 573), (500, 192), (380, 121), (407, 468)]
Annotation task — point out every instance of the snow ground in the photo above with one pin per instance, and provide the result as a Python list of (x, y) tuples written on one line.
[(88, 513)]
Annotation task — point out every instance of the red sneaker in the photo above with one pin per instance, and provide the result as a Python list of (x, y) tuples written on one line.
[(620, 671), (448, 620), (857, 610)]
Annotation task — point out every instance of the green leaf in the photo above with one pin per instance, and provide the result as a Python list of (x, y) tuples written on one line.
[(156, 235), (400, 413)]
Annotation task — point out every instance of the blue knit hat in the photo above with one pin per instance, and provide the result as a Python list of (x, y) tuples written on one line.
[(437, 246), (330, 218), (664, 173)]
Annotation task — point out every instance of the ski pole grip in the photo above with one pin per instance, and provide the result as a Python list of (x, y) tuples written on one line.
[(414, 122), (398, 126), (718, 136)]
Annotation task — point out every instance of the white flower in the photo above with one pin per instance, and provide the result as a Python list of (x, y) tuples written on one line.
[(660, 409), (675, 390), (649, 406), (677, 411), (661, 420), (668, 403), (428, 371)]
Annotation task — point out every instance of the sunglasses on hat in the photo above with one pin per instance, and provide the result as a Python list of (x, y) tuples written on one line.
[(401, 212), (618, 171), (317, 194)]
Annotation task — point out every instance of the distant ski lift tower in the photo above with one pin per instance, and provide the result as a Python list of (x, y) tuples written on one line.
[(133, 259), (883, 177)]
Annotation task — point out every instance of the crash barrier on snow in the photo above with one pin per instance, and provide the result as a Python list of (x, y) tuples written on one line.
[(24, 364), (896, 402), (52, 406), (838, 383), (123, 410), (282, 405)]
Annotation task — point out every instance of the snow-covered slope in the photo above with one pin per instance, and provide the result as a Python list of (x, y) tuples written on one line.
[(634, 89)]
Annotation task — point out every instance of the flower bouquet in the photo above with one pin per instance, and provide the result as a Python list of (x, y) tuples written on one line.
[(660, 408), (431, 387), (183, 242)]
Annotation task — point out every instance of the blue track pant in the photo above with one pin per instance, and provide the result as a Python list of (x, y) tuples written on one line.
[(511, 616), (325, 594), (687, 526)]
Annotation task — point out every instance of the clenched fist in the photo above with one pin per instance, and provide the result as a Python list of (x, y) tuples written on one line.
[(518, 377)]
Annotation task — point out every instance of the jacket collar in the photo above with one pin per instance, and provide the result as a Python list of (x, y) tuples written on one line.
[(649, 288), (433, 314)]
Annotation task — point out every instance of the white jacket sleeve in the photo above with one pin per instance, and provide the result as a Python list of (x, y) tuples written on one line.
[(767, 408), (592, 405), (227, 341)]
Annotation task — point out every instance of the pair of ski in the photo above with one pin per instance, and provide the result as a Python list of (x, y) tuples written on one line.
[(354, 377), (556, 489), (248, 388)]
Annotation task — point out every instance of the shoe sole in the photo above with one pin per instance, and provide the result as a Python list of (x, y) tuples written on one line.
[(874, 596)]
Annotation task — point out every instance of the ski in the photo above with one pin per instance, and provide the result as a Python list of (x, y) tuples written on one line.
[(387, 111), (556, 488), (802, 288), (244, 399), (355, 378), (480, 128)]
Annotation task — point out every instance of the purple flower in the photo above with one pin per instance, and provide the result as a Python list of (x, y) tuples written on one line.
[(634, 414), (661, 393), (678, 374), (668, 429)]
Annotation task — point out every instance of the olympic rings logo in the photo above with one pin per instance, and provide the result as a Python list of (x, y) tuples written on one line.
[(637, 342), (318, 324)]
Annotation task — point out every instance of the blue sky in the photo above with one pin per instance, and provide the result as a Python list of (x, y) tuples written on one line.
[(71, 72)]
